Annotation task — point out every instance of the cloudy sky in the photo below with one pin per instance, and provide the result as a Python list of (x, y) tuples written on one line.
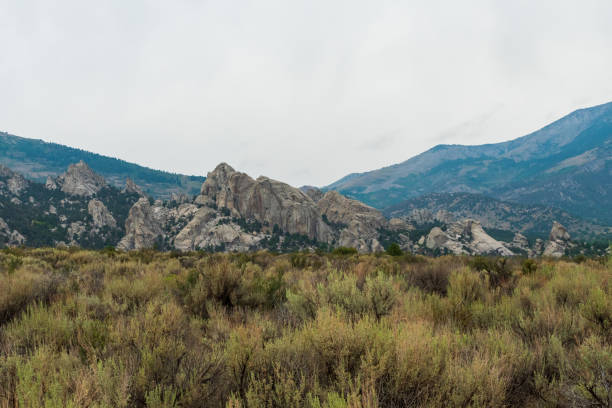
[(301, 91)]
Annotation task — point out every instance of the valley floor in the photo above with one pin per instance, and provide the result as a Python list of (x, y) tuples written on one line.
[(150, 329)]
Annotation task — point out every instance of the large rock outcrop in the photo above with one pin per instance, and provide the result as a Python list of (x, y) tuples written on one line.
[(208, 230), (359, 224), (144, 226), (521, 244), (558, 241), (10, 237), (268, 201), (51, 184), (148, 224), (100, 214), (80, 180), (15, 183), (438, 240)]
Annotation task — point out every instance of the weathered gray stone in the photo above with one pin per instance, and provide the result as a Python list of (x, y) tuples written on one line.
[(144, 225), (50, 184), (268, 201), (465, 237), (558, 241), (359, 223), (100, 214), (81, 180)]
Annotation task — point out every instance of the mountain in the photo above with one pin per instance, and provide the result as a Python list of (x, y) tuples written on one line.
[(567, 165), (37, 160), (497, 217)]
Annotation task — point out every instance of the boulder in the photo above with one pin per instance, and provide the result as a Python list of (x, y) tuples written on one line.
[(521, 244), (538, 247), (435, 239), (483, 243), (558, 241), (50, 184), (438, 240)]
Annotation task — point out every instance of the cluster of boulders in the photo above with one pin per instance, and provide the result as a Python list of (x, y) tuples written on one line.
[(465, 237), (10, 237), (229, 198), (468, 237), (66, 205)]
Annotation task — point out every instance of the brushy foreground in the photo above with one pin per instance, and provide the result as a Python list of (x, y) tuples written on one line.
[(149, 329)]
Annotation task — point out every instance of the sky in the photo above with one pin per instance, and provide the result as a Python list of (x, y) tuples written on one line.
[(301, 91)]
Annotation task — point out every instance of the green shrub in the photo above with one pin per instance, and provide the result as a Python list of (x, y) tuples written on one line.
[(344, 251), (381, 294), (529, 266), (394, 250), (23, 288)]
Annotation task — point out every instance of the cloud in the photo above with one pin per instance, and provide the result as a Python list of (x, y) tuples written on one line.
[(305, 91), (474, 129), (383, 141)]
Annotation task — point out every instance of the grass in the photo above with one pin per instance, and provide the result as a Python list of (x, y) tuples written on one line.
[(151, 329)]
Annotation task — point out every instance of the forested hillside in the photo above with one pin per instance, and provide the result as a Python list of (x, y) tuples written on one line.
[(37, 159)]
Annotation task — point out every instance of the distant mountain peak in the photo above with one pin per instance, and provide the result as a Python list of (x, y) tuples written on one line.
[(566, 164)]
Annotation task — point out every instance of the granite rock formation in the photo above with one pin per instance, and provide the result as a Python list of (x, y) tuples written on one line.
[(100, 214), (558, 241), (270, 202), (80, 180), (465, 237), (359, 224)]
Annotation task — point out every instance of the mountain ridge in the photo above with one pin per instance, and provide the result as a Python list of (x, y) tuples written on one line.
[(233, 212), (573, 153)]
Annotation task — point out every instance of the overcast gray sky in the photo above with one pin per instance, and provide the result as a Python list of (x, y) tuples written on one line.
[(301, 91)]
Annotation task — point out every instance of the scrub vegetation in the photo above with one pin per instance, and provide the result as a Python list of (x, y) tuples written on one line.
[(150, 329)]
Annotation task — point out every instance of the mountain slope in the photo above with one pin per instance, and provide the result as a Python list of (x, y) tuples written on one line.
[(37, 159), (567, 164)]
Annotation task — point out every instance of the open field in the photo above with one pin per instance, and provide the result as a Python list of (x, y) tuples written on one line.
[(109, 329)]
